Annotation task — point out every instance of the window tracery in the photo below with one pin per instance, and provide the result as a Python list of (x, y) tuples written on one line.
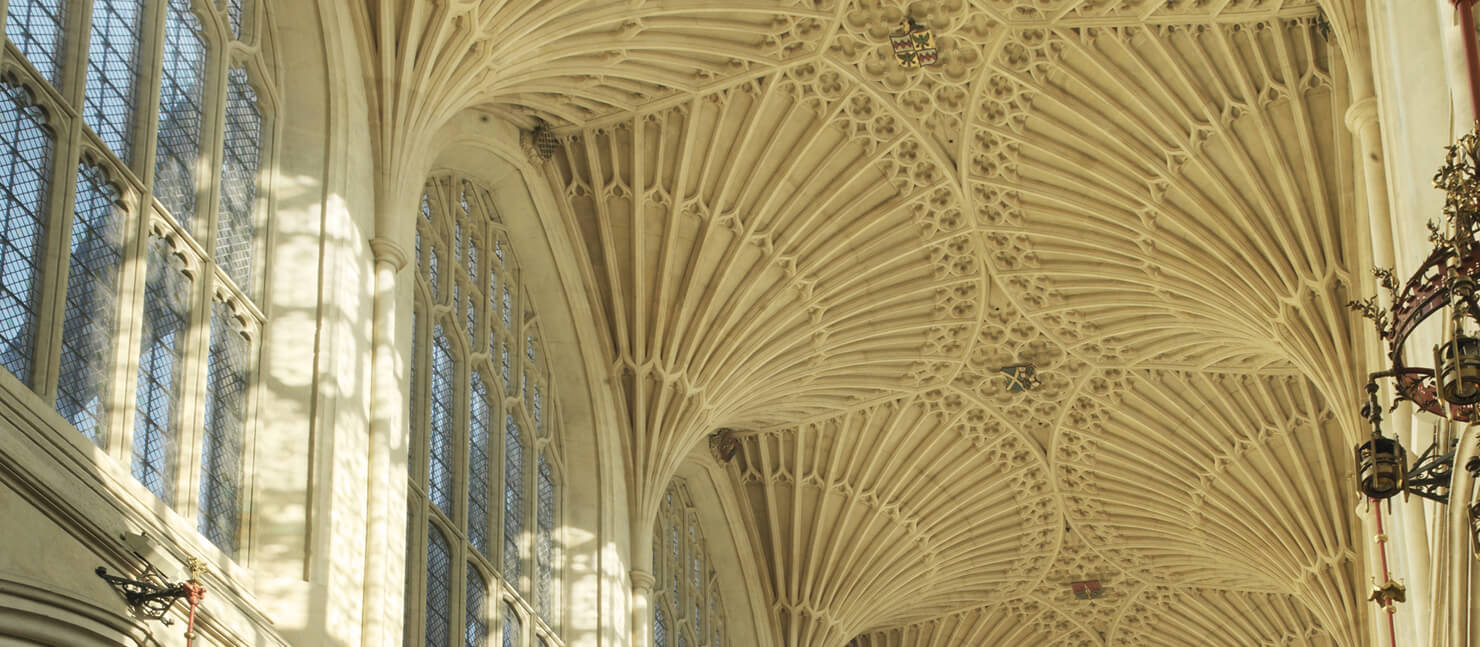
[(687, 606), (490, 479), (122, 190)]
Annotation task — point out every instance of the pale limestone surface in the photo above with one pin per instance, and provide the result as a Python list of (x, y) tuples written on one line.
[(756, 220)]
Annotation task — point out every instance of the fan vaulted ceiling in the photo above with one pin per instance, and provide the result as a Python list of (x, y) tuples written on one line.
[(789, 234)]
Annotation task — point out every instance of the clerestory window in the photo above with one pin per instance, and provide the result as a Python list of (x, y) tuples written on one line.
[(130, 242), (688, 610), (483, 522)]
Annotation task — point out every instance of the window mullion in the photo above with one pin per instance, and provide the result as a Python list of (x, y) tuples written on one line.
[(417, 442), (128, 311), (52, 283), (128, 349), (213, 129), (192, 394), (146, 122), (458, 595), (498, 448), (462, 395), (246, 485), (74, 47), (416, 573)]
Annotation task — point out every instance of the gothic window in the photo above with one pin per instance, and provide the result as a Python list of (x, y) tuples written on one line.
[(227, 380), (113, 74), (475, 615), (660, 628), (26, 147), (483, 471), (440, 461), (96, 251), (157, 412), (544, 535), (513, 628), (514, 476), (687, 607), (237, 13), (439, 585), (138, 296), (35, 28), (182, 89), (478, 465), (240, 154)]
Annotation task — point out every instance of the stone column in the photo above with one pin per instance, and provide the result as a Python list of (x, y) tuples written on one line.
[(385, 503), (1362, 121), (642, 629), (1460, 562)]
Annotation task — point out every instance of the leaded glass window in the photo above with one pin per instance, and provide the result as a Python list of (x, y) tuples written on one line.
[(227, 381), (478, 465), (688, 598), (439, 588), (477, 455), (514, 474), (25, 162), (471, 318), (95, 255), (237, 12), (475, 613), (156, 416), (513, 628), (181, 97), (127, 305), (35, 27), (440, 461), (660, 628), (241, 150), (504, 367), (544, 535), (113, 74)]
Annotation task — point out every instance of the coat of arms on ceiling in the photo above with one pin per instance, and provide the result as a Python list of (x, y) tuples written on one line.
[(1020, 377), (914, 44), (1086, 590)]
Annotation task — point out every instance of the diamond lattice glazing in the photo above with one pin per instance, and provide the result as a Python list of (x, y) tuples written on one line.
[(182, 85), (113, 74), (156, 427), (241, 150), (222, 438), (25, 158), (95, 256), (35, 28)]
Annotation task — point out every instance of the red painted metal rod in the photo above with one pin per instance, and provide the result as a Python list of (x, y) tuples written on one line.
[(1467, 14), (1393, 640)]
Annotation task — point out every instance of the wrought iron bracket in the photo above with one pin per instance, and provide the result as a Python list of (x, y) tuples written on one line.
[(1430, 476), (151, 597)]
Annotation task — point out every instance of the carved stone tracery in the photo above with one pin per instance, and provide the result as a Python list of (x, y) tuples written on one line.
[(1141, 198)]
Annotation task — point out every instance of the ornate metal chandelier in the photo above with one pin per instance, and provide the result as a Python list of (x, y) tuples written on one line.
[(1444, 287)]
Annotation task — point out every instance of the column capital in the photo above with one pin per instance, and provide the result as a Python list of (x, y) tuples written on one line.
[(1361, 113), (386, 251), (642, 580)]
